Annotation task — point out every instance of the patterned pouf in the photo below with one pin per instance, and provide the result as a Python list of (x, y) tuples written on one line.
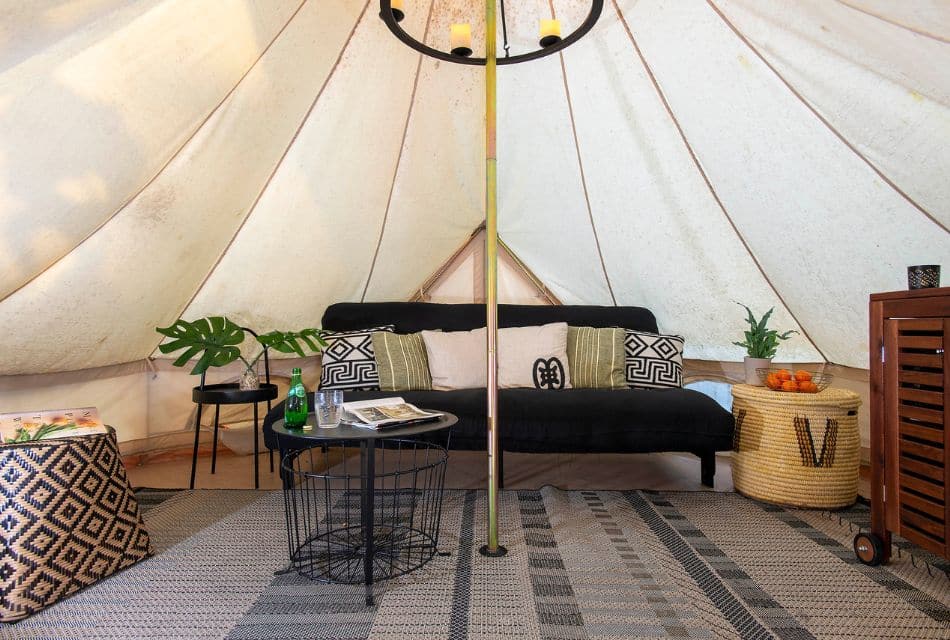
[(68, 520)]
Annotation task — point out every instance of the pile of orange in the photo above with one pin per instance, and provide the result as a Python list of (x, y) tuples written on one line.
[(784, 380)]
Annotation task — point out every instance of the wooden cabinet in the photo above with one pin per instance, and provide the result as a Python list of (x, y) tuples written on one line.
[(910, 468)]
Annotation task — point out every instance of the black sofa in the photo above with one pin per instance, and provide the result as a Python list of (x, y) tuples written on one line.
[(548, 421)]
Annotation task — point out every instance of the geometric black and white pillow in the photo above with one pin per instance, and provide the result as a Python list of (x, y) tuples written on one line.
[(349, 363), (653, 361)]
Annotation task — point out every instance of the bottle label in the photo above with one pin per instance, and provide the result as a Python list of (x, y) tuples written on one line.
[(298, 391)]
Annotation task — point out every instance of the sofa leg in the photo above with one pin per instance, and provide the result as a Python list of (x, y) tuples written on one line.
[(707, 467)]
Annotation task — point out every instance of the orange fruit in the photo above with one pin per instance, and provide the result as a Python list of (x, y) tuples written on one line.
[(807, 386), (802, 376), (789, 385), (773, 382), (783, 374)]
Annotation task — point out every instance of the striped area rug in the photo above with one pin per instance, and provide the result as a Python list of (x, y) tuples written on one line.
[(581, 564)]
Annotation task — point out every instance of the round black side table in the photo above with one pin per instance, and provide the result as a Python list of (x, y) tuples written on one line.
[(229, 393), (341, 526)]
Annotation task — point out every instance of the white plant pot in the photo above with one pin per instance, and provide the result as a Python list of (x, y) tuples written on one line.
[(751, 364)]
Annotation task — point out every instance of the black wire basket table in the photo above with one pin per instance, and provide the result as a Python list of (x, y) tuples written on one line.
[(361, 505)]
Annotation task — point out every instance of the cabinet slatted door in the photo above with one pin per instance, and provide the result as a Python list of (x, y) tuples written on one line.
[(915, 433), (910, 438)]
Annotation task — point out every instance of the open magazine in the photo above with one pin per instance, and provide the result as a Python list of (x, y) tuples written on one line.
[(385, 412), (43, 425)]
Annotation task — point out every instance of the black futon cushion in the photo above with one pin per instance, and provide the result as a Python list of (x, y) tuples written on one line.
[(544, 421), (573, 420)]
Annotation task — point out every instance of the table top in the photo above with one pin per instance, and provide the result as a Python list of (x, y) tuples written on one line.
[(231, 393), (830, 396), (350, 432)]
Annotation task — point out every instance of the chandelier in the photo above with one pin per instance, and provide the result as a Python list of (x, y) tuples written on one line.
[(550, 41)]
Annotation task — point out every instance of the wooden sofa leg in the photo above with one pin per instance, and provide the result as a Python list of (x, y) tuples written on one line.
[(707, 467)]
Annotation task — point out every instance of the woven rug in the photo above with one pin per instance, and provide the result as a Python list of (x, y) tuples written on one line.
[(581, 564)]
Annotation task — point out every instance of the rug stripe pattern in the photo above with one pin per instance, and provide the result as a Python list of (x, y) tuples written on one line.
[(812, 573), (462, 588), (602, 565), (554, 600), (693, 562), (667, 622), (894, 584)]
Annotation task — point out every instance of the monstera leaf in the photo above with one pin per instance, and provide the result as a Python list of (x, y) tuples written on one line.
[(215, 338), (289, 341)]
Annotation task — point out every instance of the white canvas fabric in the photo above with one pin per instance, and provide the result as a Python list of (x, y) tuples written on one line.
[(262, 159)]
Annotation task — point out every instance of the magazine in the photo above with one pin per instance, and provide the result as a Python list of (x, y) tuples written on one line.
[(385, 412), (44, 425)]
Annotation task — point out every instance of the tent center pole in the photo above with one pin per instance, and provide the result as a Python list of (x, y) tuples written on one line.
[(491, 277)]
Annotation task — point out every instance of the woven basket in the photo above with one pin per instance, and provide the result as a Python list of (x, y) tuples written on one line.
[(69, 520), (794, 449)]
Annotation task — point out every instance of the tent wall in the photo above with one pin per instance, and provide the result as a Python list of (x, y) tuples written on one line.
[(263, 159), (683, 156)]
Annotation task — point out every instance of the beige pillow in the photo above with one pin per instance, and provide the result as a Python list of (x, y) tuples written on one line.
[(596, 357), (456, 358), (534, 357), (527, 357), (401, 360)]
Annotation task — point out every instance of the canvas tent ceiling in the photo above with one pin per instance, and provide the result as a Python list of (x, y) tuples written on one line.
[(263, 159)]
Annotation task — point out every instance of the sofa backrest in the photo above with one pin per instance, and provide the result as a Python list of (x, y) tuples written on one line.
[(409, 317)]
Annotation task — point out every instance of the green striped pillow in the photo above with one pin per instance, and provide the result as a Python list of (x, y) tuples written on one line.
[(402, 362), (596, 358)]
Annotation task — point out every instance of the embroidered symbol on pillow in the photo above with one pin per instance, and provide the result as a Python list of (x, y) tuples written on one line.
[(548, 374)]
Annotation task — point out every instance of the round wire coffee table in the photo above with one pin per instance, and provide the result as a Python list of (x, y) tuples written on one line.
[(350, 522)]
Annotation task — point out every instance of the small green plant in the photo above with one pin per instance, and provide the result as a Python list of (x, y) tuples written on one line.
[(760, 341), (217, 338)]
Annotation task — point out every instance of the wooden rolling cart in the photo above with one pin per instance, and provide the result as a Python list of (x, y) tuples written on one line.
[(910, 468)]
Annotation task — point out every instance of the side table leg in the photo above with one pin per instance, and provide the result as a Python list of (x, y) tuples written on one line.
[(256, 445), (214, 442), (194, 453), (368, 480)]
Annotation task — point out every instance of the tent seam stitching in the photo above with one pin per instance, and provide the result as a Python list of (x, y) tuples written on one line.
[(706, 179), (580, 166), (808, 105), (165, 165), (402, 148), (279, 162), (923, 34)]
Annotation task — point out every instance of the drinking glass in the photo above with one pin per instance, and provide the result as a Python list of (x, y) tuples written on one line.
[(328, 406)]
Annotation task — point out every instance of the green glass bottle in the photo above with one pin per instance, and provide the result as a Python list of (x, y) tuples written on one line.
[(295, 407)]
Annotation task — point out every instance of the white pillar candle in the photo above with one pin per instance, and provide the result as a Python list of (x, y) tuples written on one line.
[(461, 36), (550, 28)]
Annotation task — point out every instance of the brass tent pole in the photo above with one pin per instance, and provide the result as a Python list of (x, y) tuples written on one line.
[(491, 276)]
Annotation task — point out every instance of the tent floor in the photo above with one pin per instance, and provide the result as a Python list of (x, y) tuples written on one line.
[(466, 470)]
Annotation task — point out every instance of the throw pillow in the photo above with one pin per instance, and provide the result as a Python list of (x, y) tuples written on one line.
[(596, 357), (402, 362), (534, 357), (654, 361), (348, 360), (456, 358)]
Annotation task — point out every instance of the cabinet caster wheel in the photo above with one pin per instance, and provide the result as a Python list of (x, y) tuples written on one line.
[(868, 548)]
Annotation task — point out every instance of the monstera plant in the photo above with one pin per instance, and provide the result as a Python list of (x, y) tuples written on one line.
[(216, 340)]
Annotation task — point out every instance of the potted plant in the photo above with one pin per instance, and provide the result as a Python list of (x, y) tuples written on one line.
[(216, 339), (760, 344)]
